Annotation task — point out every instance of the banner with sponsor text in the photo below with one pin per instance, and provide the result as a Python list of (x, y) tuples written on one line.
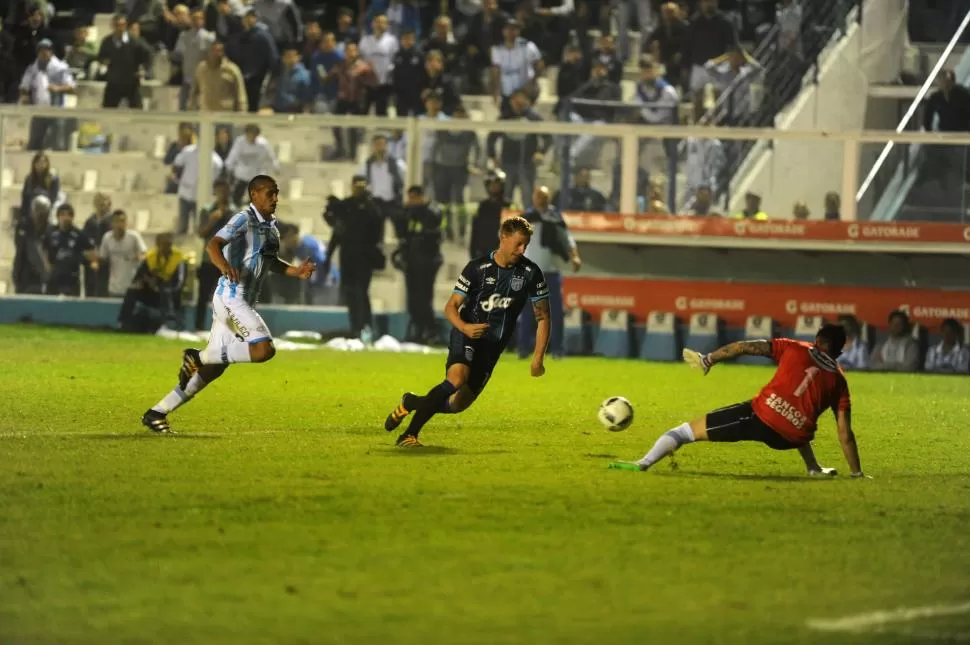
[(782, 302), (808, 231)]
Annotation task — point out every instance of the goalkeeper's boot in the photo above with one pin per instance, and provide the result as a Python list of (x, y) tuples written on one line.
[(191, 362), (156, 422), (408, 404)]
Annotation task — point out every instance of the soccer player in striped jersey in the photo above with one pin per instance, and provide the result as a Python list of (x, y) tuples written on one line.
[(244, 250), (483, 309), (784, 414)]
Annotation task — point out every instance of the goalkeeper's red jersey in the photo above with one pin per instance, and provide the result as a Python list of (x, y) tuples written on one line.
[(807, 383)]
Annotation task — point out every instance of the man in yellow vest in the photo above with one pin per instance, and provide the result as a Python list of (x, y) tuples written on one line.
[(752, 208), (157, 288)]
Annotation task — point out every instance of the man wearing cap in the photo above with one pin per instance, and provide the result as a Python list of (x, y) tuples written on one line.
[(45, 82)]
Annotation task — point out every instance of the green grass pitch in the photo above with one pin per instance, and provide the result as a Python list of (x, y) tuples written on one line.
[(282, 513)]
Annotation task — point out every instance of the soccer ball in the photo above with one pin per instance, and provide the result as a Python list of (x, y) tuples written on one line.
[(616, 413)]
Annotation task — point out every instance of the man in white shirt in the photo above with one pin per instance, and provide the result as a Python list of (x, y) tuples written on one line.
[(251, 154), (45, 83), (186, 165), (378, 50), (552, 246), (123, 250), (515, 64), (385, 175)]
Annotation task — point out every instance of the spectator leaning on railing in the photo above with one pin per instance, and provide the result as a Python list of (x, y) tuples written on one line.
[(833, 206), (516, 62), (41, 180), (950, 355), (521, 152), (705, 163), (186, 165), (703, 203), (752, 208), (45, 83), (741, 73), (251, 154)]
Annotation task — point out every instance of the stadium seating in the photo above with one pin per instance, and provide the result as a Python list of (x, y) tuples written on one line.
[(576, 336), (806, 327), (660, 338), (704, 333), (758, 328), (613, 337)]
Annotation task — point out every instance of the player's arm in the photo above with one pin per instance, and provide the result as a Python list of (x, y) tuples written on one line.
[(302, 271), (453, 315), (728, 352), (540, 309), (847, 438), (236, 227)]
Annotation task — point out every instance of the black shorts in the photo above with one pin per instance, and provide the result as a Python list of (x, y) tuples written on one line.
[(740, 423), (480, 355)]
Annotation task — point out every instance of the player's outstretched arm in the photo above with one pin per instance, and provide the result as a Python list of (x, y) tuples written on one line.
[(847, 438), (744, 347), (540, 310), (302, 271)]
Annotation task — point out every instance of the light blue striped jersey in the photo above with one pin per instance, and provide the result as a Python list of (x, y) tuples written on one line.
[(252, 241)]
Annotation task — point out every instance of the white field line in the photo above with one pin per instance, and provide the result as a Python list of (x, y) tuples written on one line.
[(879, 620)]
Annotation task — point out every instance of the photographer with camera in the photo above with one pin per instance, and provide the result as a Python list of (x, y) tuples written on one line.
[(358, 231), (419, 258)]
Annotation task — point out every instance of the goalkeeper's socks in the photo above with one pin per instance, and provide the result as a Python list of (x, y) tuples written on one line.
[(667, 444), (431, 403)]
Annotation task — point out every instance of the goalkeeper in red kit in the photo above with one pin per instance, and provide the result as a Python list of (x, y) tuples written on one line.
[(783, 416)]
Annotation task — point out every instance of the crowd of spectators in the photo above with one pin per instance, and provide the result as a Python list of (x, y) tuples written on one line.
[(905, 348)]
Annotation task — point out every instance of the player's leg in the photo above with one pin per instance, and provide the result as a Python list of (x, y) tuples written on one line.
[(156, 418), (725, 424), (457, 354), (250, 343), (435, 401)]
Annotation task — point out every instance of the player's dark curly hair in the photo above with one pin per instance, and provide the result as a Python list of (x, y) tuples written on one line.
[(259, 182), (516, 224), (833, 338)]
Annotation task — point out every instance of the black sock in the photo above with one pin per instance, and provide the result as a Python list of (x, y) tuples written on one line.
[(430, 404)]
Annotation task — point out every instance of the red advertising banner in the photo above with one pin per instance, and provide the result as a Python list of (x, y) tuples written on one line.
[(808, 231), (782, 302)]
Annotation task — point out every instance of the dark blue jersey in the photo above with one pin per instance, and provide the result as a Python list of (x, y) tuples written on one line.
[(496, 295)]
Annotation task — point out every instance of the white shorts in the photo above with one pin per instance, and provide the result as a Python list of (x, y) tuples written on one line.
[(234, 318)]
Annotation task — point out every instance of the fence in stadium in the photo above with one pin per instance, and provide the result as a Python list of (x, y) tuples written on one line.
[(138, 139)]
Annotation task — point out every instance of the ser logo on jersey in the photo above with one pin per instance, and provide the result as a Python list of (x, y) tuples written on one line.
[(496, 301)]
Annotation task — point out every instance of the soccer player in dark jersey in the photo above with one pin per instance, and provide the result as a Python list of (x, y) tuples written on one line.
[(488, 298), (784, 414)]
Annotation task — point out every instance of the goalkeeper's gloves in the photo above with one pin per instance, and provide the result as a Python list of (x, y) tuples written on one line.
[(700, 361)]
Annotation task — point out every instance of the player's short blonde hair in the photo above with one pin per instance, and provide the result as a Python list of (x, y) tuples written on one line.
[(515, 224)]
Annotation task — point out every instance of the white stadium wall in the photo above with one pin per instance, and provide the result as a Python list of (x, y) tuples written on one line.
[(793, 171)]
